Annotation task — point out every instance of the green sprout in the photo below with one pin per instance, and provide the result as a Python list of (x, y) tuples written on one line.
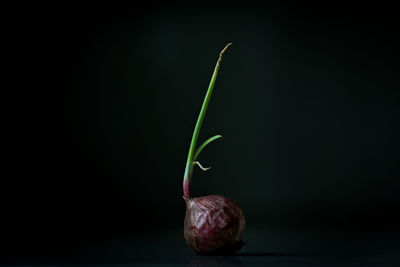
[(193, 152)]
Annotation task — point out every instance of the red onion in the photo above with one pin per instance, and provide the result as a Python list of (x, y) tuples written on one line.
[(213, 224)]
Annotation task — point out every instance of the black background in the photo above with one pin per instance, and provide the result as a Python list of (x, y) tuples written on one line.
[(307, 100)]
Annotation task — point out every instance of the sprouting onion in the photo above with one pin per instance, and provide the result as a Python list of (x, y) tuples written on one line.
[(213, 224)]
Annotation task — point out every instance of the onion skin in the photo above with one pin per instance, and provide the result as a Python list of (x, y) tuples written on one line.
[(213, 225)]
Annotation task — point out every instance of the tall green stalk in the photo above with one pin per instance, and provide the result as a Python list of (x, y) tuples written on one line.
[(193, 153)]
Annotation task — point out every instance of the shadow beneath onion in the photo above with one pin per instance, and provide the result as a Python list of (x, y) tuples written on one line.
[(275, 254), (215, 261), (242, 258)]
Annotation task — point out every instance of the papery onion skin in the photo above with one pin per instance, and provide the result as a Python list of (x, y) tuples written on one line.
[(213, 225)]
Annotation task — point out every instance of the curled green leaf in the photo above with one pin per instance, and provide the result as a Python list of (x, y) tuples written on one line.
[(203, 145)]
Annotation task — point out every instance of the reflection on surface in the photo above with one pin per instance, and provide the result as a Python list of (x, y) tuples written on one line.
[(245, 258), (215, 261)]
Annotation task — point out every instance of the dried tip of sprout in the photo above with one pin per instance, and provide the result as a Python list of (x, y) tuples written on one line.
[(223, 50), (201, 167)]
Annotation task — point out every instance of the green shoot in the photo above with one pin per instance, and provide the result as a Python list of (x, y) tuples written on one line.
[(193, 152)]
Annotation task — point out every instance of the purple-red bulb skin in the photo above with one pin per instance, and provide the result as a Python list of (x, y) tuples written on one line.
[(213, 225)]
